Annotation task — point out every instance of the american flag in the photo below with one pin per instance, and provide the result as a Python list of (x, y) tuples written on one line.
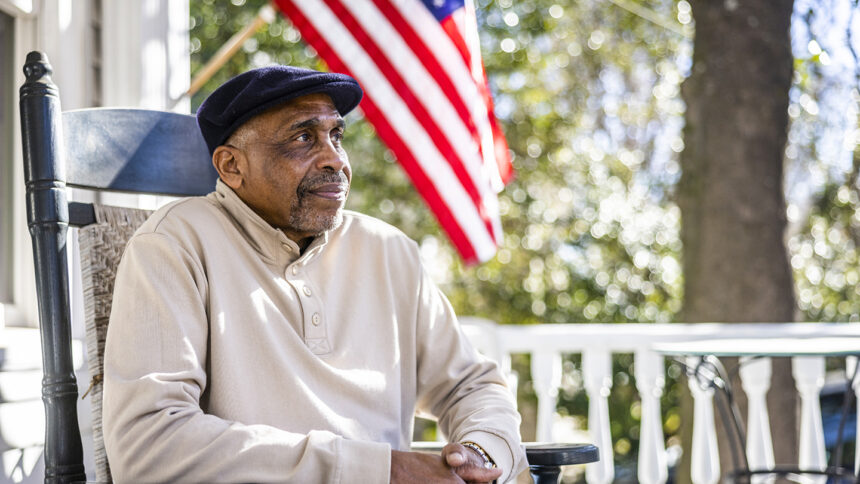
[(426, 94)]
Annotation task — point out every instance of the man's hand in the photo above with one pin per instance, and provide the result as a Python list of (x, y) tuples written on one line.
[(420, 467), (457, 464), (468, 464)]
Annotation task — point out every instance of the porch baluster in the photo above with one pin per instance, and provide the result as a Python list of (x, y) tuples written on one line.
[(597, 371), (652, 450), (705, 458), (755, 379), (850, 368), (511, 376), (546, 378), (808, 372)]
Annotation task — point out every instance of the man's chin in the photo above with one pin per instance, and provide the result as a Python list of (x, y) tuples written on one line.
[(334, 222), (317, 225)]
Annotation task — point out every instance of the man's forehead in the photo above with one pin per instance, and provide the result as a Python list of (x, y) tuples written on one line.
[(311, 101), (306, 112), (305, 107)]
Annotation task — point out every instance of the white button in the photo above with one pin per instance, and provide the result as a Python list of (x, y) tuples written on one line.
[(295, 270), (316, 319), (306, 290)]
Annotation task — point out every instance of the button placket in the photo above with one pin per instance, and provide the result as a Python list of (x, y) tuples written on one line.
[(316, 334), (315, 331), (313, 316)]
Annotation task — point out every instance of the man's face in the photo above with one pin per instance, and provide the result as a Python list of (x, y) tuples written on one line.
[(297, 175)]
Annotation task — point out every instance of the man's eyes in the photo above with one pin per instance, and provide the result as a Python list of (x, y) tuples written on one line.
[(336, 135)]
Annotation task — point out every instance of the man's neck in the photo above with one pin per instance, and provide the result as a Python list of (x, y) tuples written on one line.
[(302, 242)]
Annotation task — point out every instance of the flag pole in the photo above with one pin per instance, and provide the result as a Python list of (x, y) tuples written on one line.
[(264, 16)]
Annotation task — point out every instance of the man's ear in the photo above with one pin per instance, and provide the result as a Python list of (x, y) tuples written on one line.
[(229, 163)]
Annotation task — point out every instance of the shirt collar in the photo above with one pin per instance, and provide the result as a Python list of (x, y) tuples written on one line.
[(271, 243)]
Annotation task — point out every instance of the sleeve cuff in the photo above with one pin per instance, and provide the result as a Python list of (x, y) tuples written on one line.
[(363, 461), (497, 448)]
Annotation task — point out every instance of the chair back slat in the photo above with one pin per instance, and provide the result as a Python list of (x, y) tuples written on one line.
[(136, 150)]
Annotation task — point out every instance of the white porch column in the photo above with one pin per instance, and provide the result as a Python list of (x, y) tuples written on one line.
[(755, 378), (808, 372), (650, 381), (597, 373), (705, 459), (146, 61)]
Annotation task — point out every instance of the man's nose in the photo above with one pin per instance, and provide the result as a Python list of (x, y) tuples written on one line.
[(332, 158)]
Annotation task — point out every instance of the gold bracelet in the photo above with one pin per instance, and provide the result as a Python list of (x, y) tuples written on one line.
[(488, 462)]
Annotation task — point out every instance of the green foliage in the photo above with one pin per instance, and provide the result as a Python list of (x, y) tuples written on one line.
[(587, 94), (823, 163)]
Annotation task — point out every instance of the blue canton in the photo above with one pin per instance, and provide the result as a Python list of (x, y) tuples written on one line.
[(441, 9)]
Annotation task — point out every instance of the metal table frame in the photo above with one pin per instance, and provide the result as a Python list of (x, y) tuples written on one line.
[(709, 372)]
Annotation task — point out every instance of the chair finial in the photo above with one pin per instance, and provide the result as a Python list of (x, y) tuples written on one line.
[(37, 71)]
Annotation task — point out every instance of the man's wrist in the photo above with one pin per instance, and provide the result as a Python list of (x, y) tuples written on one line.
[(488, 461)]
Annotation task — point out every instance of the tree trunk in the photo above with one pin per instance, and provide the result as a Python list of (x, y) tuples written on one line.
[(731, 198)]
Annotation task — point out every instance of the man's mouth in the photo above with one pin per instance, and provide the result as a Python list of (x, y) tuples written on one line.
[(330, 191)]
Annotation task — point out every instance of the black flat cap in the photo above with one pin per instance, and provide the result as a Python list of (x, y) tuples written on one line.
[(250, 93)]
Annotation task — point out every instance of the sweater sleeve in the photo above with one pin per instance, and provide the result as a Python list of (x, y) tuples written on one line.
[(155, 378), (464, 390)]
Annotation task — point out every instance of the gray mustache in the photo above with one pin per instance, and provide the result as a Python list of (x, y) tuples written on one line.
[(317, 181)]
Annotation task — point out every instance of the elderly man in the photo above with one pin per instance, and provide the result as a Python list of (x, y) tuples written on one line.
[(264, 334)]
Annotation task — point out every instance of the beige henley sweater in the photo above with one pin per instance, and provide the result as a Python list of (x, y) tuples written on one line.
[(231, 356)]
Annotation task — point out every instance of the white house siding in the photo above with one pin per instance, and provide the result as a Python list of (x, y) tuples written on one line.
[(131, 53)]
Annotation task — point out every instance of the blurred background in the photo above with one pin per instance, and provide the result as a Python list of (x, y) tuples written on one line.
[(675, 162)]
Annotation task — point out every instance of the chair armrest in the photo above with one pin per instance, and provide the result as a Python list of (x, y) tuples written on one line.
[(545, 459), (559, 454)]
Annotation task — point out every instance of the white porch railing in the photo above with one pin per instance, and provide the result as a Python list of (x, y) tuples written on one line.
[(547, 343), (597, 342)]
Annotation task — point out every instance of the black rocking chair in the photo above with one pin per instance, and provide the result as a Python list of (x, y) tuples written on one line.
[(124, 150)]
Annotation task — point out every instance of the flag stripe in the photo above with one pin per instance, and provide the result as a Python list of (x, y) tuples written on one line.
[(418, 110), (436, 49), (449, 47), (430, 173), (455, 33), (466, 41), (502, 158), (404, 88), (416, 105), (429, 53), (405, 75)]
